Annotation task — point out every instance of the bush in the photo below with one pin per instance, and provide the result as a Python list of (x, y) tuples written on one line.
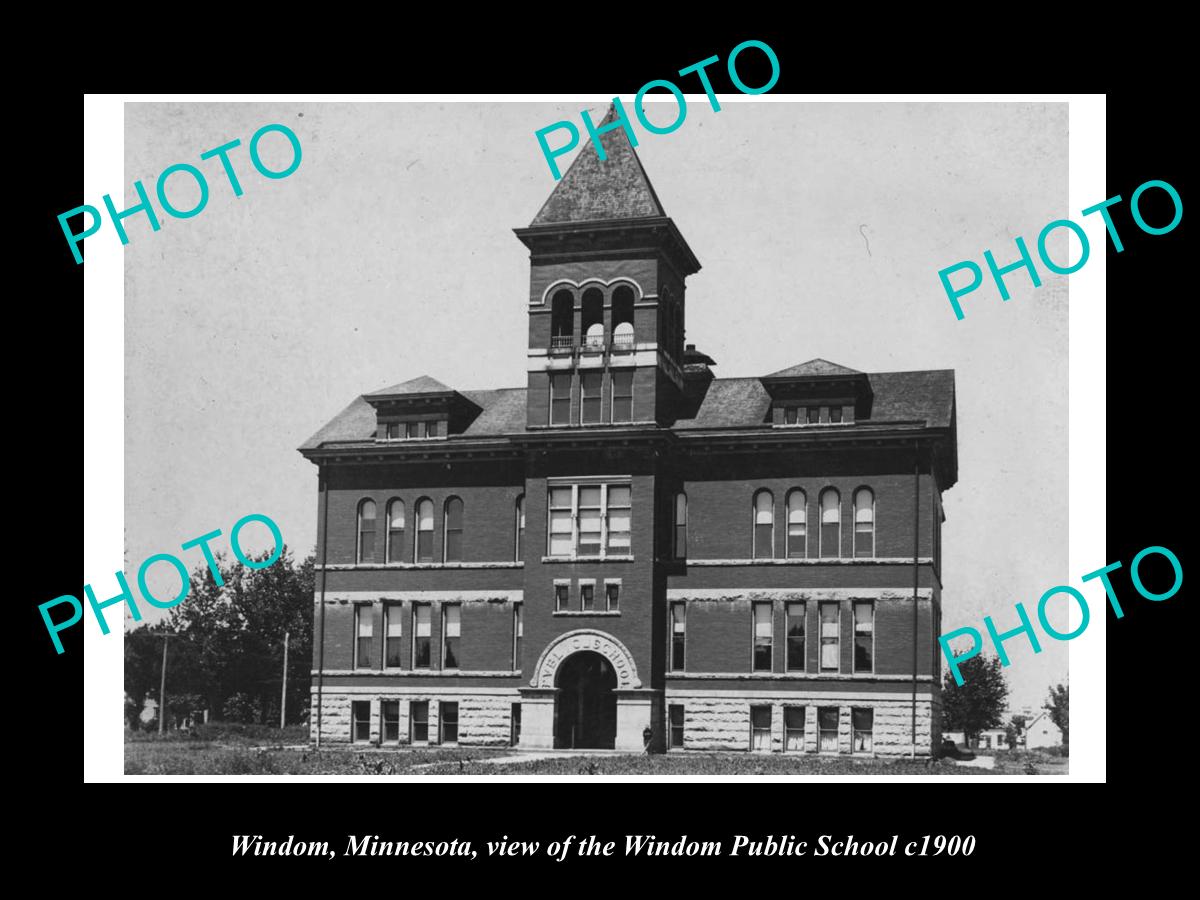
[(240, 708)]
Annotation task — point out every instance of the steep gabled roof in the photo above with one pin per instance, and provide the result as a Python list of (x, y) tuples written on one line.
[(422, 384), (592, 190), (813, 367)]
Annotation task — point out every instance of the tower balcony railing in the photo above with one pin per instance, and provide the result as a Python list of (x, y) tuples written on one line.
[(622, 343), (562, 344)]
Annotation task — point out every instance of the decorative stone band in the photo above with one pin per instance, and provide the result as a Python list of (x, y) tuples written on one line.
[(808, 697), (586, 639), (515, 596), (789, 676), (833, 561), (728, 594), (420, 673), (351, 567), (378, 690)]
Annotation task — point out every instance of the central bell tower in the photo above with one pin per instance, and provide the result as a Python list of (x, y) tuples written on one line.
[(606, 296)]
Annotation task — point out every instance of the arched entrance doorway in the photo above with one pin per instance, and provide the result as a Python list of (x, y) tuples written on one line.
[(586, 708)]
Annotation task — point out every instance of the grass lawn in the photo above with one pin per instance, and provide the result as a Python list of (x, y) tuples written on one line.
[(259, 750)]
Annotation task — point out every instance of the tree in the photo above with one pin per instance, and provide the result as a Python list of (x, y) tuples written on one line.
[(227, 639), (1014, 729), (977, 704), (1058, 704)]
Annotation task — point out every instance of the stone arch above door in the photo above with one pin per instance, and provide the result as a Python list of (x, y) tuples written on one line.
[(606, 645)]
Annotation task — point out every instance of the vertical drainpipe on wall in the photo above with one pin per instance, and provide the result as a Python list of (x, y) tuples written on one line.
[(321, 637), (916, 582)]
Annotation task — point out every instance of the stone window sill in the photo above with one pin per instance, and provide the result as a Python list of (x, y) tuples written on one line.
[(586, 559), (587, 612)]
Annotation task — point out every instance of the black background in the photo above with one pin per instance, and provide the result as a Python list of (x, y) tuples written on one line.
[(1146, 444)]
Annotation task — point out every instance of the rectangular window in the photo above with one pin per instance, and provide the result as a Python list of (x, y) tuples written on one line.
[(447, 723), (827, 729), (416, 430), (418, 721), (795, 637), (393, 431), (762, 637), (422, 635), (622, 395), (518, 633), (363, 631), (561, 516), (864, 636), (590, 386), (681, 523), (675, 716), (835, 414), (560, 399), (612, 595), (587, 596), (793, 728), (864, 729), (451, 631), (431, 429), (392, 633), (760, 728), (515, 725), (830, 622), (589, 520), (390, 710), (814, 415), (678, 635), (619, 503), (789, 415), (562, 596), (361, 714)]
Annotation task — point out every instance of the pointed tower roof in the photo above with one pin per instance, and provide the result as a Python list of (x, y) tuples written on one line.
[(592, 190)]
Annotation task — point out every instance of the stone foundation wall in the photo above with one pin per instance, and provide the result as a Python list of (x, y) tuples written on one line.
[(483, 719), (723, 722)]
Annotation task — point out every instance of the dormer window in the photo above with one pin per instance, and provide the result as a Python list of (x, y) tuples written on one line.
[(414, 430)]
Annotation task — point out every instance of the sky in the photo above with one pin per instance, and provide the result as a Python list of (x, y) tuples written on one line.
[(389, 254)]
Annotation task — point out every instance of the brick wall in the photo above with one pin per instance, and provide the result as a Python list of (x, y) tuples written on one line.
[(720, 636), (643, 271), (488, 490), (485, 643), (720, 514)]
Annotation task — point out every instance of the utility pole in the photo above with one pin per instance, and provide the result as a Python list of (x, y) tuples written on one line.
[(283, 693), (916, 594), (162, 688)]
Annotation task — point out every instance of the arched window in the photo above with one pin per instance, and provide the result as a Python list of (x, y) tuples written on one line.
[(452, 549), (681, 526), (395, 532), (831, 523), (764, 525), (562, 318), (797, 525), (864, 522), (366, 531), (622, 317), (424, 544), (520, 529), (592, 318)]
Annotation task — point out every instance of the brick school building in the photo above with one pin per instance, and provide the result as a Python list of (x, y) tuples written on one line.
[(628, 548)]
